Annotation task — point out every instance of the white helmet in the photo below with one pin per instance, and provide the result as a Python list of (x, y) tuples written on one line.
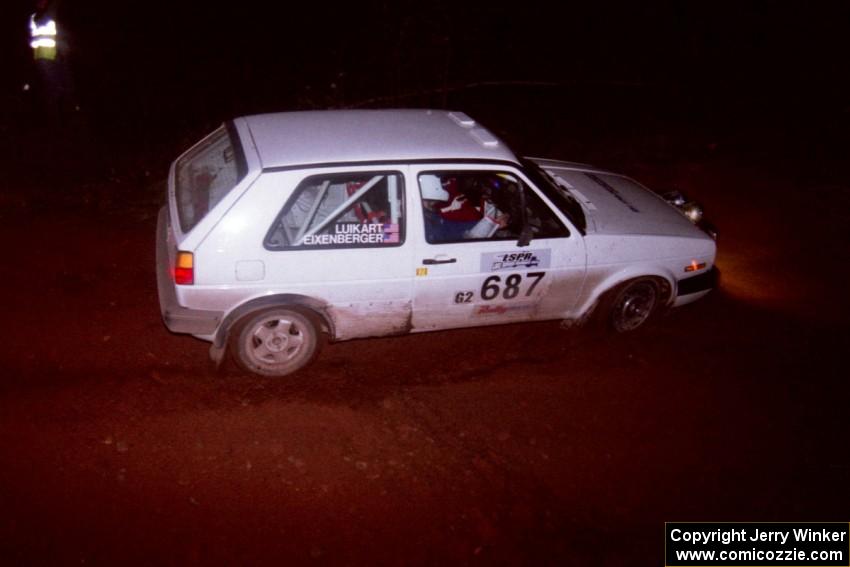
[(432, 189)]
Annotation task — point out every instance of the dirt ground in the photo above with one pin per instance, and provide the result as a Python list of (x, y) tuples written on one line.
[(530, 445)]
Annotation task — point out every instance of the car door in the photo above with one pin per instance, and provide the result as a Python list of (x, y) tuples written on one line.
[(341, 238), (470, 267)]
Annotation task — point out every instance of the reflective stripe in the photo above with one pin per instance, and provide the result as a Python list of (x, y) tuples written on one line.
[(48, 28), (43, 42)]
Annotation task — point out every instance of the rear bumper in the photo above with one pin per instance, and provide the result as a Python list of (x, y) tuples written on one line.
[(177, 318)]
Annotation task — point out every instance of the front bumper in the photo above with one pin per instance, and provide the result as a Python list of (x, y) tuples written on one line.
[(702, 283), (177, 318)]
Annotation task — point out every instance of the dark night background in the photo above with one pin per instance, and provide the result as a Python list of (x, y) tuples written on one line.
[(765, 75), (540, 446)]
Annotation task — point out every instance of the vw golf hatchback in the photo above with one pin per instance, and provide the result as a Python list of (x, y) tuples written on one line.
[(285, 230)]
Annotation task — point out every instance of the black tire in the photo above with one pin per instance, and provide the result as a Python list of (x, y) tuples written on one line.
[(277, 341), (631, 305)]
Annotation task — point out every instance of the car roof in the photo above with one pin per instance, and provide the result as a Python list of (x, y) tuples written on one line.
[(288, 139)]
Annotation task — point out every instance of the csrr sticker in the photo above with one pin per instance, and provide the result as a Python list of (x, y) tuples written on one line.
[(498, 261)]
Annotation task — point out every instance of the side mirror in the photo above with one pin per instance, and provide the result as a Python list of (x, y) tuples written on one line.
[(525, 236)]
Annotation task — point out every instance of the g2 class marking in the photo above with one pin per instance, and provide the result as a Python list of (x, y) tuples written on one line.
[(464, 297)]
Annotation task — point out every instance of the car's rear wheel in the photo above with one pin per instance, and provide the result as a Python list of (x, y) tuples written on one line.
[(632, 304), (276, 342)]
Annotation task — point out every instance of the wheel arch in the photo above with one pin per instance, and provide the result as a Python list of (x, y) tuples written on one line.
[(663, 278), (318, 307)]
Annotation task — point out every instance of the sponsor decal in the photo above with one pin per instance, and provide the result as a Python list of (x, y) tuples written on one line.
[(421, 271), (502, 309), (498, 261), (356, 233)]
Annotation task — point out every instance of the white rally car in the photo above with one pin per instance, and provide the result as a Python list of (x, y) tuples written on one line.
[(284, 230)]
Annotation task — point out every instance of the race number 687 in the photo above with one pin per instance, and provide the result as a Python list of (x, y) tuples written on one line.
[(491, 288)]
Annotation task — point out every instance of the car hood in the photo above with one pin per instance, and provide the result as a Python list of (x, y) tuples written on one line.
[(615, 204)]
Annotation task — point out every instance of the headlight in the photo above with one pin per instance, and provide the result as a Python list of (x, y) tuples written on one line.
[(675, 198), (693, 211), (690, 209)]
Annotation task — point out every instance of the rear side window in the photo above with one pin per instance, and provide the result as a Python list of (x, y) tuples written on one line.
[(350, 210), (205, 175)]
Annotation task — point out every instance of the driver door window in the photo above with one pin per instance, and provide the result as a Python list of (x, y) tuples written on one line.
[(459, 206)]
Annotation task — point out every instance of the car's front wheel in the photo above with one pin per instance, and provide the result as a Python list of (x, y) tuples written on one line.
[(276, 342), (632, 304)]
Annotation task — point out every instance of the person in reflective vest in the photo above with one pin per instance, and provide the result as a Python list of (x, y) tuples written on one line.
[(54, 89), (43, 33)]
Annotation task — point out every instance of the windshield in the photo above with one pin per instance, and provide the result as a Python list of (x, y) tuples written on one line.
[(204, 176), (562, 199)]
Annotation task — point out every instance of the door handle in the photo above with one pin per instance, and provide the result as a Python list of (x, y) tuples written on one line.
[(432, 261)]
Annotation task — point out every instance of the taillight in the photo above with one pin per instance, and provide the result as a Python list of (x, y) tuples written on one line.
[(184, 269)]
